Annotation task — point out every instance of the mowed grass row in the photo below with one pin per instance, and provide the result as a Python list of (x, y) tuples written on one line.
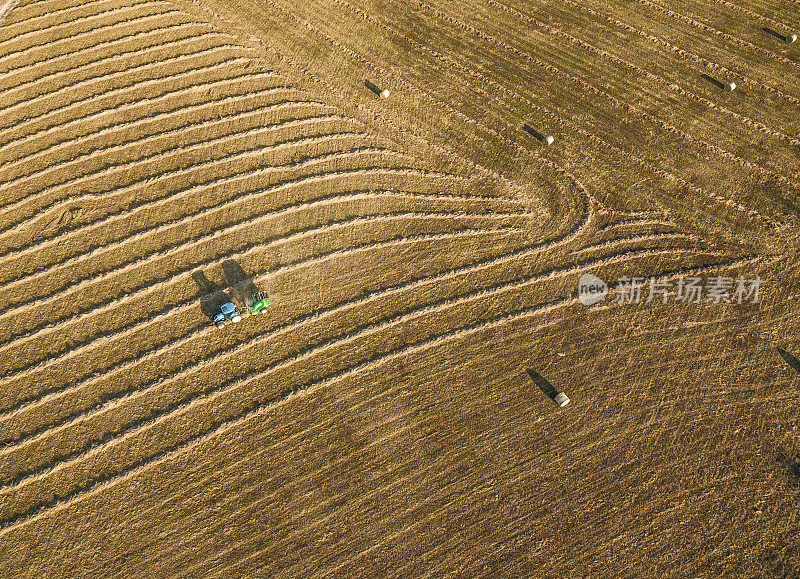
[(136, 275), (29, 198), (101, 93), (160, 299), (123, 322), (174, 375), (74, 67), (239, 138), (187, 338), (56, 137), (107, 202), (336, 357), (207, 136), (23, 51), (58, 250), (173, 305)]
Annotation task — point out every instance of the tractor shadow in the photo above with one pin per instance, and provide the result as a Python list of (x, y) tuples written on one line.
[(236, 287), (211, 295), (241, 285)]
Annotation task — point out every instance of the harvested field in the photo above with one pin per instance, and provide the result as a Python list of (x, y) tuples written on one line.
[(159, 158)]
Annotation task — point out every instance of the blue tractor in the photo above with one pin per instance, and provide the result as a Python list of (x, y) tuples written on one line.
[(227, 313)]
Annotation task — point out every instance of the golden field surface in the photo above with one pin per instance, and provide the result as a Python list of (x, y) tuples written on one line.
[(161, 157)]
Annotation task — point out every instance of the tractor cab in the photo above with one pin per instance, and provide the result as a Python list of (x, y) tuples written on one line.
[(227, 312)]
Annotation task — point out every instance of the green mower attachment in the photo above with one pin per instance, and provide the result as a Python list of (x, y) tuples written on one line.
[(257, 302)]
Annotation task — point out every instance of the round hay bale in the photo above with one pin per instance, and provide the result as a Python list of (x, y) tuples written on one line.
[(730, 86), (561, 399), (548, 139), (791, 38), (385, 93)]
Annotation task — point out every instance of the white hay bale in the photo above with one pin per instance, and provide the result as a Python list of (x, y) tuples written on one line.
[(548, 140), (561, 399), (791, 38), (730, 86), (385, 93)]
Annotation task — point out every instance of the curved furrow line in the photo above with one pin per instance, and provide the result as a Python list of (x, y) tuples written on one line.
[(31, 3), (190, 172), (58, 11), (30, 57), (310, 231), (177, 225), (142, 123), (100, 15), (34, 194), (90, 253), (621, 226), (134, 87), (106, 305), (634, 239), (66, 69), (83, 284), (255, 153), (100, 481), (72, 416), (730, 38), (683, 53), (318, 123), (172, 195), (609, 97), (61, 168), (650, 76), (52, 394), (104, 81), (581, 225), (64, 41), (641, 162), (71, 125)]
